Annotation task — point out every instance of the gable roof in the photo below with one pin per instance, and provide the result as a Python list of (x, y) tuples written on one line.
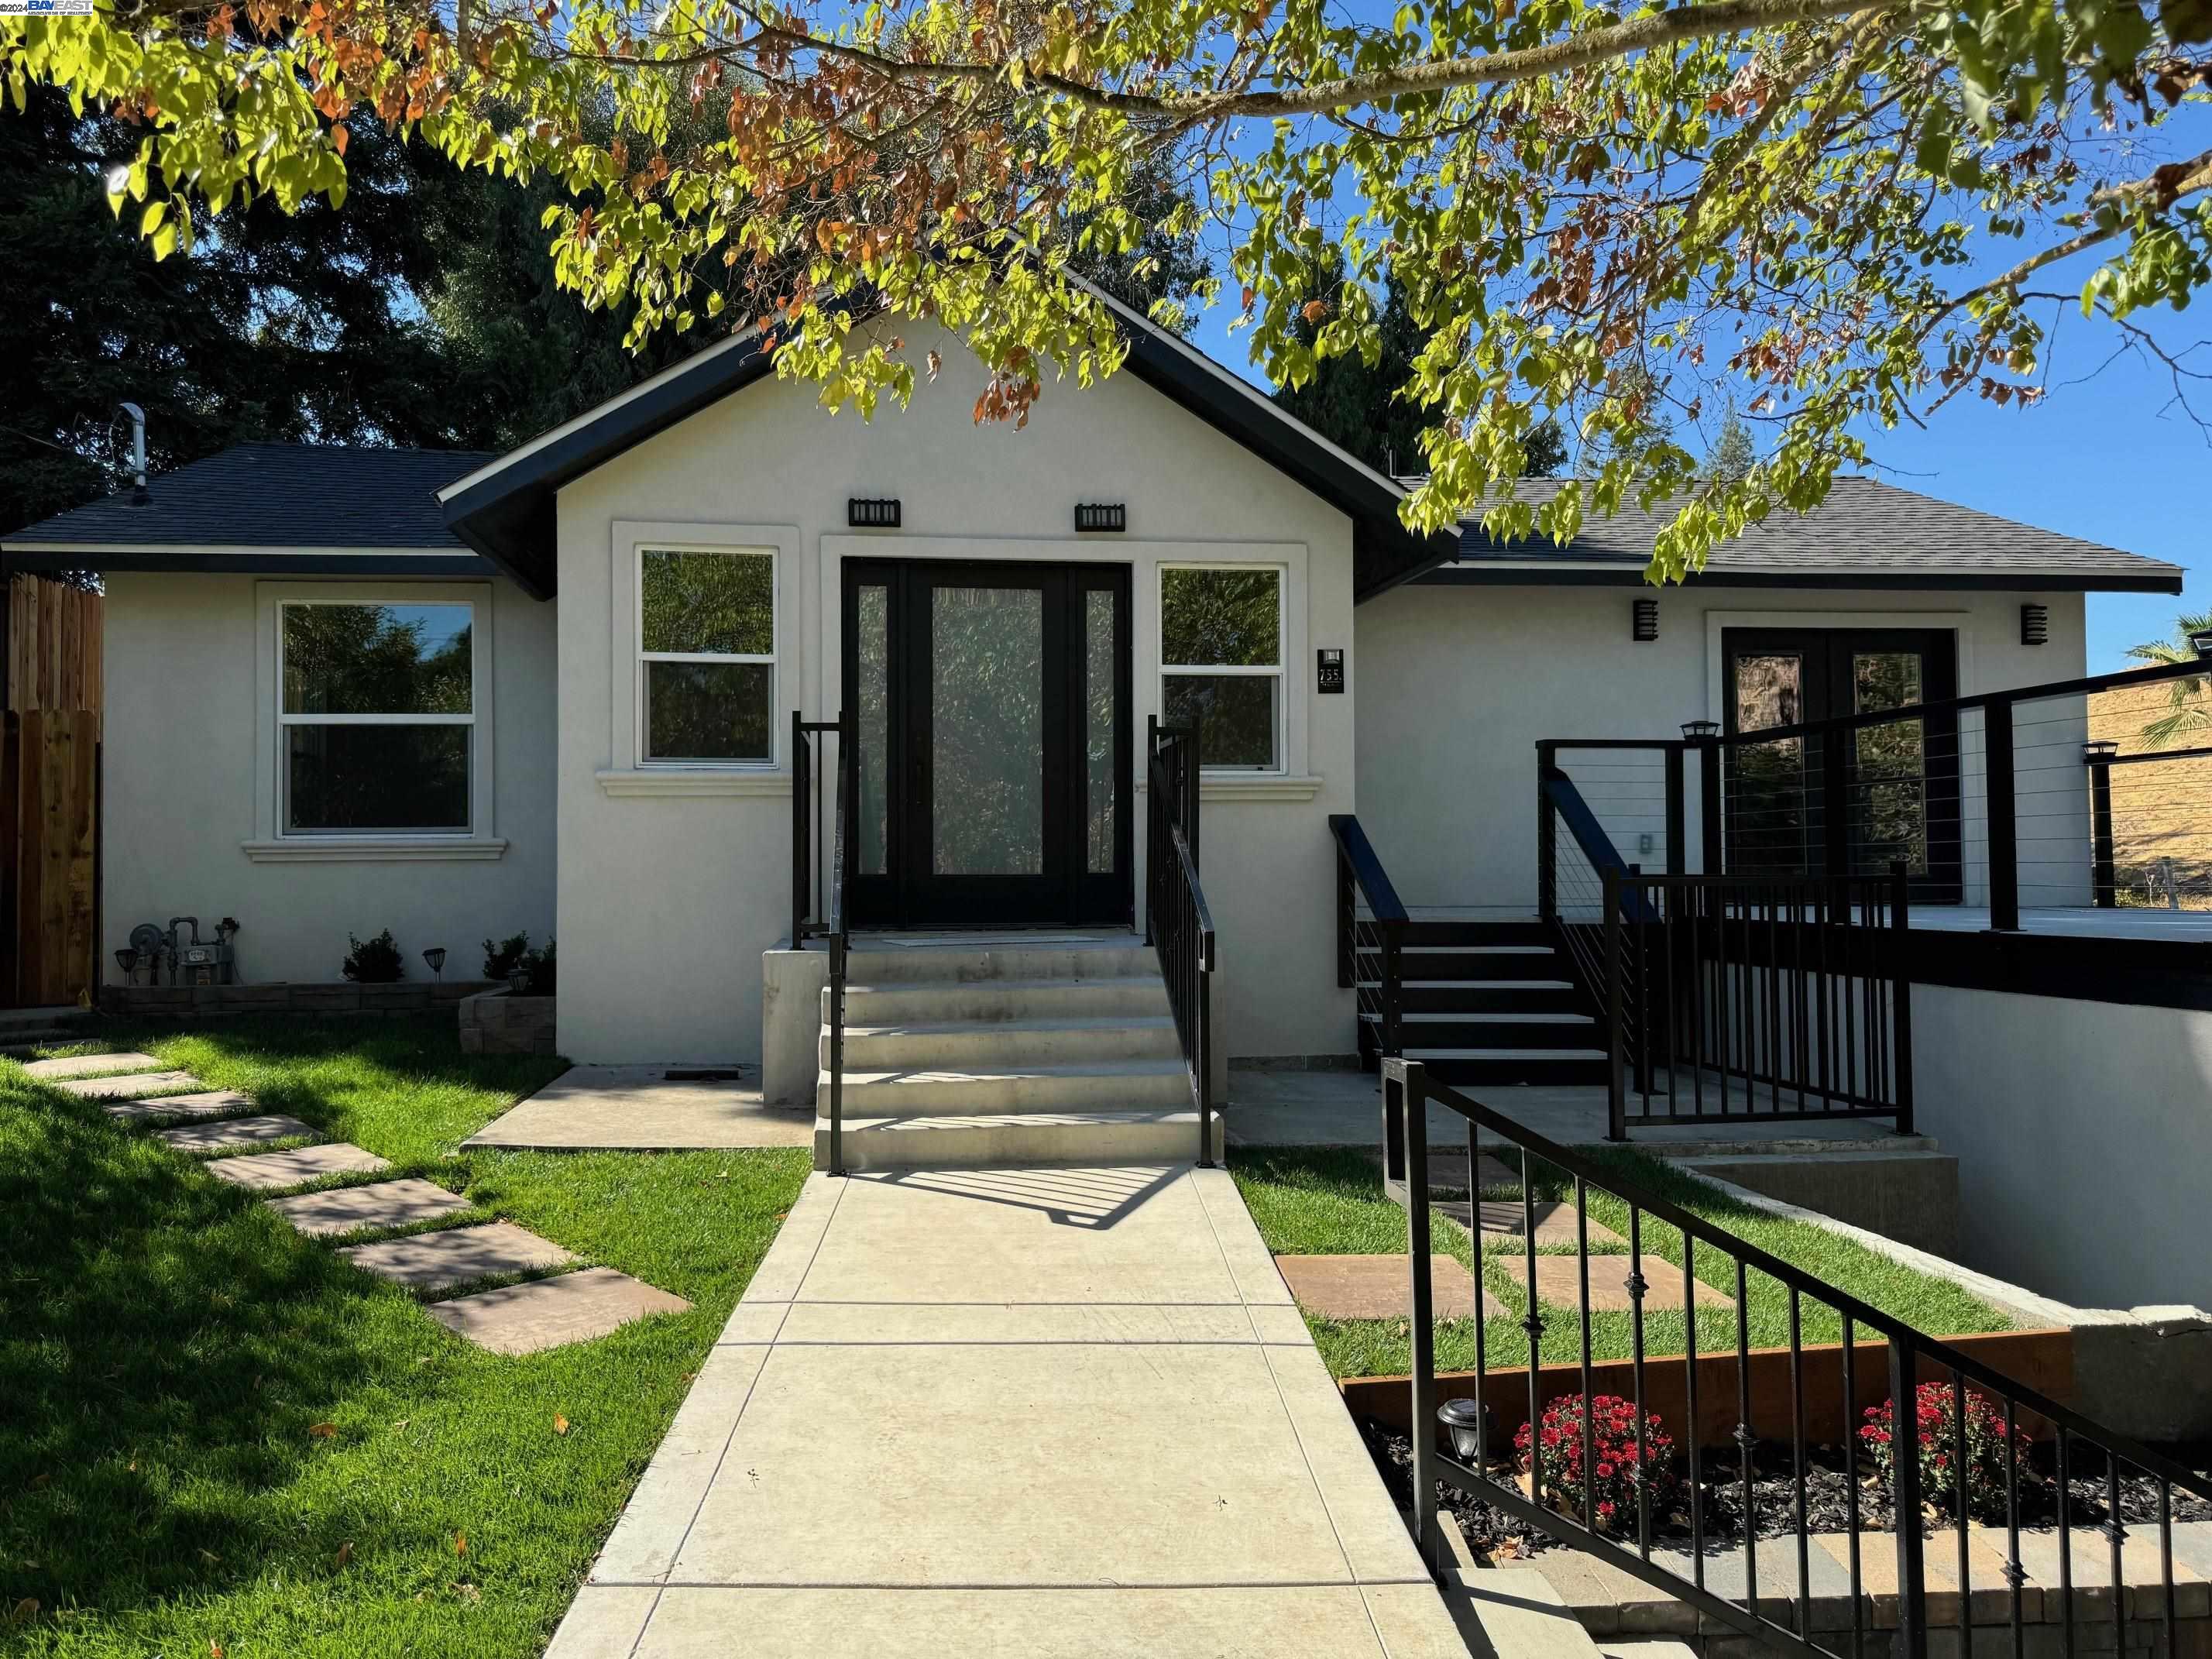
[(1865, 534), (506, 510), (313, 505)]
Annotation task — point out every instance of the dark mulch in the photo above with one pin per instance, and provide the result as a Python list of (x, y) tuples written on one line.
[(1830, 1490)]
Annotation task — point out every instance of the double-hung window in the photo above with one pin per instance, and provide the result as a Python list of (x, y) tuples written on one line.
[(1221, 661), (378, 717), (706, 645)]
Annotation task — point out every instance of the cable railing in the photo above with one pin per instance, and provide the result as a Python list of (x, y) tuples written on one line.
[(819, 914), (1371, 933), (1968, 1459), (1177, 923), (2093, 793)]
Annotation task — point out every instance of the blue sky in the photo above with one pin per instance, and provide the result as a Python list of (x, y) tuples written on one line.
[(2104, 460)]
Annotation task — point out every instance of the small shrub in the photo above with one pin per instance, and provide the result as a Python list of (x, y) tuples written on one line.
[(538, 964), (1613, 1443), (374, 962), (504, 957), (1939, 1451)]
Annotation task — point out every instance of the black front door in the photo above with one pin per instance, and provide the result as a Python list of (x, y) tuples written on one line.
[(1898, 791), (993, 704)]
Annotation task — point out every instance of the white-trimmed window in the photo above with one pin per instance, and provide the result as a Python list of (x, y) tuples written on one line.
[(1221, 662), (376, 717), (707, 655)]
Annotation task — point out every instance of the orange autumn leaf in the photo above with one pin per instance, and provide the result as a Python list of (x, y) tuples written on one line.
[(323, 1430), (460, 1543), (560, 1424)]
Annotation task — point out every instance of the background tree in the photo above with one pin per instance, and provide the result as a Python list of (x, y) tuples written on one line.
[(1733, 454), (1842, 212), (2186, 712), (1357, 401)]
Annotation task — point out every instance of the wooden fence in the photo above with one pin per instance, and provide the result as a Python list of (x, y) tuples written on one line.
[(49, 738)]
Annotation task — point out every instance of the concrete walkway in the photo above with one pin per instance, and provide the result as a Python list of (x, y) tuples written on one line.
[(1043, 1411)]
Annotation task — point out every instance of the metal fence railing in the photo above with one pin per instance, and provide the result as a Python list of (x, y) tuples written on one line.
[(818, 902), (1968, 1459)]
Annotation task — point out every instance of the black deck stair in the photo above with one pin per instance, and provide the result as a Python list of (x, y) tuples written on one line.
[(1487, 1002)]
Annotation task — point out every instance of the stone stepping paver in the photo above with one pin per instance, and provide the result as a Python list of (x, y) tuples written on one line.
[(202, 1139), (129, 1085), (265, 1171), (1377, 1286), (212, 1102), (548, 1312), (1559, 1282), (1501, 1218), (386, 1204), (82, 1065), (432, 1261)]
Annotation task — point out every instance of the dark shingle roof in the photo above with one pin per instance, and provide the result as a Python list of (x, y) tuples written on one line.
[(1865, 528), (285, 495)]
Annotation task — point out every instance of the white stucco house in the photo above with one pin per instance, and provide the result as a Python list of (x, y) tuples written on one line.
[(462, 696)]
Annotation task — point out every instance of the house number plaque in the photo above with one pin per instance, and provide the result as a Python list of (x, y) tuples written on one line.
[(1328, 671)]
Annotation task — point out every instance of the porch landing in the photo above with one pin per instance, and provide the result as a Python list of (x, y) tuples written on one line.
[(1062, 1412), (642, 1108)]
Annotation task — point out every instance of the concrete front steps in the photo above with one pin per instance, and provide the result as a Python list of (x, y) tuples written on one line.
[(967, 1052)]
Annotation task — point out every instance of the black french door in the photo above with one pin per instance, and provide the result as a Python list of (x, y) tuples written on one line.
[(1899, 796), (993, 705)]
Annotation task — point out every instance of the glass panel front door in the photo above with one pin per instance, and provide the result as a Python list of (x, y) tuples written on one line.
[(1897, 787), (993, 708)]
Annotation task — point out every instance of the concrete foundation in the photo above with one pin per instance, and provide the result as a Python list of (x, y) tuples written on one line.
[(1910, 1196), (792, 983)]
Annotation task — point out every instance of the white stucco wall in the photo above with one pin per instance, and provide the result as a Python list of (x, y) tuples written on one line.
[(667, 900), (2083, 1132), (1458, 685), (185, 715)]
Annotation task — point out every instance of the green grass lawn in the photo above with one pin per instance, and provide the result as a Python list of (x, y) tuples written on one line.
[(1329, 1202), (214, 1431)]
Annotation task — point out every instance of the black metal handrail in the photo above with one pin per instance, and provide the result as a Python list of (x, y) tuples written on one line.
[(1177, 923), (831, 928), (1925, 1373), (1373, 943)]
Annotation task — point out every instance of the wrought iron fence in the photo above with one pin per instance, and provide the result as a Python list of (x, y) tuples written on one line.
[(1970, 1457), (1736, 996), (1177, 924)]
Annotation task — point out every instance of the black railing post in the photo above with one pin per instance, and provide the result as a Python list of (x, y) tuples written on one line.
[(802, 880), (1616, 1062), (1712, 856), (1835, 802), (1151, 810), (1900, 991), (1346, 950), (1677, 855), (1548, 836), (2004, 823), (2104, 871), (1393, 986), (1904, 1468), (1413, 1102)]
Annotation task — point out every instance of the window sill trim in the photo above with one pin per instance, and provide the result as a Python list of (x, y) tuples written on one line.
[(640, 782), (375, 849), (1258, 787)]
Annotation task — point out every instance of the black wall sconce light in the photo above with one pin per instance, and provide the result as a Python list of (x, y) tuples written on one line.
[(1101, 515), (2035, 624), (880, 513), (2201, 642), (1643, 625)]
